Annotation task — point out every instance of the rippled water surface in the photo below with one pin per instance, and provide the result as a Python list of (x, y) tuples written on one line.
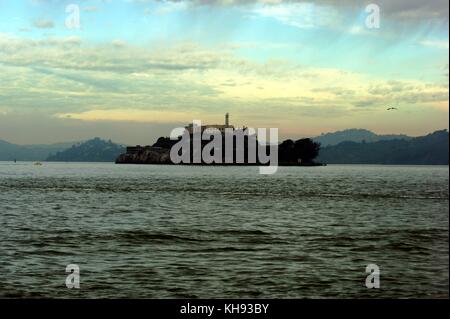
[(178, 231)]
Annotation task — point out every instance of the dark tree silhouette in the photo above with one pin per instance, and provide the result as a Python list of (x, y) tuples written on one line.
[(286, 152), (303, 150), (306, 150)]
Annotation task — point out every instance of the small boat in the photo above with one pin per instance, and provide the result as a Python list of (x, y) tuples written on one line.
[(38, 164)]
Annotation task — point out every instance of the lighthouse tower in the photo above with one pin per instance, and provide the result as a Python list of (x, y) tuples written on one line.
[(227, 120)]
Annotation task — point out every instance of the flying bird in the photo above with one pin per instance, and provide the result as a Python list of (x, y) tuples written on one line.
[(391, 108)]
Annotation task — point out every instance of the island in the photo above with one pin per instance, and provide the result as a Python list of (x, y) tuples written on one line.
[(246, 149)]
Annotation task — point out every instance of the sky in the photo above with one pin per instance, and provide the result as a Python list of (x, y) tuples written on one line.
[(131, 70)]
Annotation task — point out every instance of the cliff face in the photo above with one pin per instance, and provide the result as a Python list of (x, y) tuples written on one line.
[(146, 155)]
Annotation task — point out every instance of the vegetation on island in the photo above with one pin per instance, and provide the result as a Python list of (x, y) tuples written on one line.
[(95, 150), (431, 149)]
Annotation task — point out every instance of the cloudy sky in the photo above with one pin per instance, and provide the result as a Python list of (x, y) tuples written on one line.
[(134, 69)]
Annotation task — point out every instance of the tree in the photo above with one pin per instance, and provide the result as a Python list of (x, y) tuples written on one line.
[(286, 152), (306, 150)]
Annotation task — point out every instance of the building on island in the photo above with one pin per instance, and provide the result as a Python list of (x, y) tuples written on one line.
[(166, 143), (220, 127)]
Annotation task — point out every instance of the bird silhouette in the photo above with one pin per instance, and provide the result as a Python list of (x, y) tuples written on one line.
[(391, 108)]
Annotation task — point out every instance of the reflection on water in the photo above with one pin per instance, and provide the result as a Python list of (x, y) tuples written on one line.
[(177, 231)]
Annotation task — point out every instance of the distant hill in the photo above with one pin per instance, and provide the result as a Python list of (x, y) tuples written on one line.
[(355, 135), (95, 150), (10, 152), (366, 148), (431, 149)]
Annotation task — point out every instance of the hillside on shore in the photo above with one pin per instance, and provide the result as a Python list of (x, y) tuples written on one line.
[(95, 150), (356, 135), (431, 149), (11, 152)]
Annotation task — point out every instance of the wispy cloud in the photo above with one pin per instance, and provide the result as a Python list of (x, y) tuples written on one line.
[(435, 43), (300, 15), (43, 24), (90, 9), (89, 79), (296, 64), (412, 10)]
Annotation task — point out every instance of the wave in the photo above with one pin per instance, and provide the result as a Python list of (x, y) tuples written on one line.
[(137, 236), (284, 193)]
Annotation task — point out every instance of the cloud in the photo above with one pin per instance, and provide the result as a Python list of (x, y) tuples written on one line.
[(39, 127), (90, 9), (44, 24), (435, 44), (399, 9), (66, 77), (300, 15), (118, 43), (132, 115), (168, 7), (10, 44)]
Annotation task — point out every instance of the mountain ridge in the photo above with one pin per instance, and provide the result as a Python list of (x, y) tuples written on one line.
[(355, 135), (431, 149), (386, 149), (38, 152), (94, 150)]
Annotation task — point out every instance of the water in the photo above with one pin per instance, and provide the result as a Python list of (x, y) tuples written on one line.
[(210, 232)]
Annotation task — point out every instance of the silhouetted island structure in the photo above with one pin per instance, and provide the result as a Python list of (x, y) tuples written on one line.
[(290, 153)]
